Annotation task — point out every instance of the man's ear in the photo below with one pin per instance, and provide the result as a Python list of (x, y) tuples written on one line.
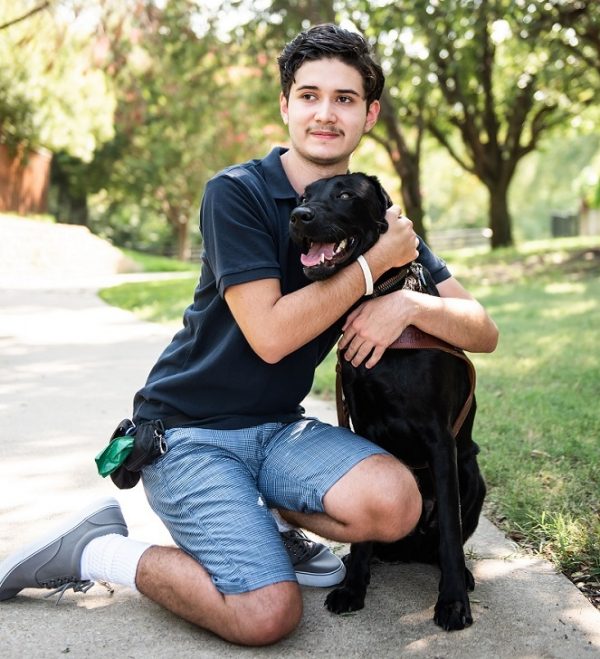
[(283, 108), (372, 115)]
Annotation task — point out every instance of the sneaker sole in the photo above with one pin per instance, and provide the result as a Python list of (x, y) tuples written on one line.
[(21, 555), (322, 580)]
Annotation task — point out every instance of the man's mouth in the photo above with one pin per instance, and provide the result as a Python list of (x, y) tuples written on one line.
[(325, 134), (325, 254)]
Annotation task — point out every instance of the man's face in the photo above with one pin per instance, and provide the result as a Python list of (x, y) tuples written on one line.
[(327, 112)]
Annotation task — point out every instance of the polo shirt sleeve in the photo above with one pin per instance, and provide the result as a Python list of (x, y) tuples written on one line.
[(237, 222), (436, 266)]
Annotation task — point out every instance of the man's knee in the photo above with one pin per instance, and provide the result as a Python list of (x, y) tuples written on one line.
[(267, 615), (398, 503), (379, 498)]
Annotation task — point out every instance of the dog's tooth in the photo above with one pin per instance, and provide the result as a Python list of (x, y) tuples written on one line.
[(339, 247), (322, 257)]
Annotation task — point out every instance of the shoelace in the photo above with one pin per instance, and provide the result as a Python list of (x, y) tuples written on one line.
[(78, 585), (298, 545)]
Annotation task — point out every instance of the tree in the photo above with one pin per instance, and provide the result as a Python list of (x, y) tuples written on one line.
[(187, 107), (577, 25), (494, 80), (51, 95)]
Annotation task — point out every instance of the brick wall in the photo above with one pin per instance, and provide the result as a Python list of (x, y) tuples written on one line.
[(24, 181)]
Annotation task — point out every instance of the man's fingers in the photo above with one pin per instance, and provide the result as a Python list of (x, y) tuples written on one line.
[(375, 356)]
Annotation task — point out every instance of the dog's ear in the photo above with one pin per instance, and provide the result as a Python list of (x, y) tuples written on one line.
[(384, 201)]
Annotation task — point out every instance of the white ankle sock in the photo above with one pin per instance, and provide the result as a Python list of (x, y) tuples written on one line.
[(112, 558), (282, 525)]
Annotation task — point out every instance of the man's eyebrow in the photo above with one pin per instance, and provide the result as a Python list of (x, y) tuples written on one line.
[(352, 92)]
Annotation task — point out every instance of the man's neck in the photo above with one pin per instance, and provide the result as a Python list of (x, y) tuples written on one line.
[(301, 172)]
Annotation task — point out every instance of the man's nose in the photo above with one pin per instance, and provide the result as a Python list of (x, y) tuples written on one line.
[(325, 113)]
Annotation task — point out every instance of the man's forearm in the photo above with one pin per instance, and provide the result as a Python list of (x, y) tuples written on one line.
[(463, 323)]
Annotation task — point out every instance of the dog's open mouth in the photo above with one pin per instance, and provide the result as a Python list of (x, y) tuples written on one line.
[(318, 254)]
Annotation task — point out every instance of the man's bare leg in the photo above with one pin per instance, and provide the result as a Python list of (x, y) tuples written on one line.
[(376, 500), (173, 579)]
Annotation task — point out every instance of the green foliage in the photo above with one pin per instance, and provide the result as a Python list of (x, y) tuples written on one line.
[(487, 79), (555, 179), (189, 104), (50, 90), (183, 97), (17, 127)]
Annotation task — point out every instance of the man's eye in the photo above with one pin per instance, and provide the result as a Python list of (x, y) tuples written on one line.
[(345, 99)]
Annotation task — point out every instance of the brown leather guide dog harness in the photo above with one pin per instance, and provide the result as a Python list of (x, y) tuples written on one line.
[(411, 338)]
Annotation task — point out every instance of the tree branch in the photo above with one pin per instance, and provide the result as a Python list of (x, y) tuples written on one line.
[(520, 109), (442, 139), (453, 95), (490, 120), (33, 11)]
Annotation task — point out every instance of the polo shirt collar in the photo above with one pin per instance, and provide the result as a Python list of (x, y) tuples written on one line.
[(275, 176)]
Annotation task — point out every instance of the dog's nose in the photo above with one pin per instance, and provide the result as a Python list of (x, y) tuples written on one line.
[(302, 214)]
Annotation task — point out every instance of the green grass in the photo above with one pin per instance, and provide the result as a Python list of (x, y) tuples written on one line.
[(538, 420), (160, 301), (157, 301), (152, 263)]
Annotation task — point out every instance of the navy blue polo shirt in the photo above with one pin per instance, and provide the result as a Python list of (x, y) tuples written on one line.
[(209, 374)]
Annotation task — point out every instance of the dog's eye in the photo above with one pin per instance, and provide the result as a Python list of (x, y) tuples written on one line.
[(344, 195)]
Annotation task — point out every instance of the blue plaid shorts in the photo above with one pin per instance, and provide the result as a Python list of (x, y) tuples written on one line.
[(213, 490)]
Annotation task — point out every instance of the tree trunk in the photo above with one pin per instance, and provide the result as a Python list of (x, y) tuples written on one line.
[(412, 200), (72, 207), (406, 163), (500, 221), (183, 241)]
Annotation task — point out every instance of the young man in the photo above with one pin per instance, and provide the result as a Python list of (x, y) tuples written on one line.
[(235, 375)]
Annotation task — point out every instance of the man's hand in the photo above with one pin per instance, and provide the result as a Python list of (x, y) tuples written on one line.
[(396, 247), (374, 325), (455, 317)]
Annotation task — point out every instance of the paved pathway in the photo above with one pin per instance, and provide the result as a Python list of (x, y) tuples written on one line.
[(69, 365)]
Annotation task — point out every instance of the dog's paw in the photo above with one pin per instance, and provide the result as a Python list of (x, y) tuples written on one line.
[(344, 600), (453, 615)]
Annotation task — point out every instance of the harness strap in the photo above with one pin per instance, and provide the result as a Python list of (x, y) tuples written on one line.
[(343, 413), (411, 338)]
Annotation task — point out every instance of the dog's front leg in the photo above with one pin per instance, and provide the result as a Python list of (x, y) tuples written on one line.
[(452, 610), (350, 596)]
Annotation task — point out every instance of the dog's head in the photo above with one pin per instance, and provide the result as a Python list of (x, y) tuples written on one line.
[(337, 220)]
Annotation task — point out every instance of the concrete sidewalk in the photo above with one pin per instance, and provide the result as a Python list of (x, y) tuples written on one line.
[(69, 366)]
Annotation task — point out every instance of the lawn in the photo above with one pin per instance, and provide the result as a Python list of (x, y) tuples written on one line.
[(538, 420)]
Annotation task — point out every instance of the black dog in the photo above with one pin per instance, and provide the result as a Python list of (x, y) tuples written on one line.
[(411, 403)]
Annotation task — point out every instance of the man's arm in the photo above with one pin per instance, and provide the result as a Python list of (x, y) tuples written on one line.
[(276, 325), (455, 317)]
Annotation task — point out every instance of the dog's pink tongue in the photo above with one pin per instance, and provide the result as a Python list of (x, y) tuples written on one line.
[(314, 253)]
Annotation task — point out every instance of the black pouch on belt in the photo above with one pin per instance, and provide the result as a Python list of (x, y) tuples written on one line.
[(130, 448)]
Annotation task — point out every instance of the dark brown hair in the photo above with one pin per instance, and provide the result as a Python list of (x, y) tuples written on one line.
[(329, 41)]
